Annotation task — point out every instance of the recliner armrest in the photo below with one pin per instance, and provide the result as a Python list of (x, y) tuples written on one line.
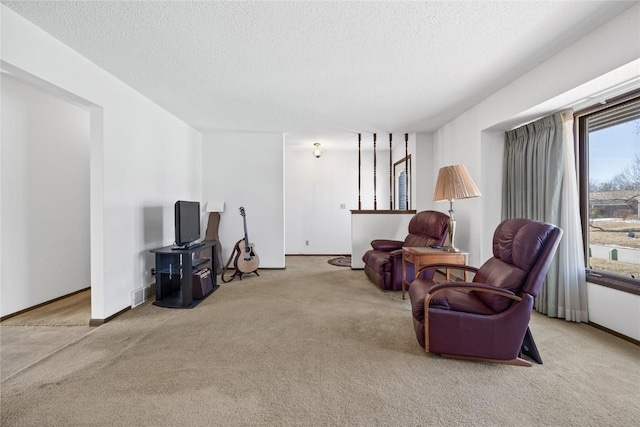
[(467, 286), (386, 245), (396, 253)]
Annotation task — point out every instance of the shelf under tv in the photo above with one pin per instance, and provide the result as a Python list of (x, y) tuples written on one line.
[(174, 275)]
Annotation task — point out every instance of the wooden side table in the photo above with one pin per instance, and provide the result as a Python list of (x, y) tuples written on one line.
[(419, 256)]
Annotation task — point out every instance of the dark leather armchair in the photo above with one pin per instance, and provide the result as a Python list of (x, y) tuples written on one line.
[(383, 263), (488, 318)]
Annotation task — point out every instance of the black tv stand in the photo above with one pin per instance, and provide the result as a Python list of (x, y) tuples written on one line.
[(175, 267), (193, 245)]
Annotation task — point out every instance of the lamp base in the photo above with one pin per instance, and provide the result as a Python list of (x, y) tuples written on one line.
[(452, 234)]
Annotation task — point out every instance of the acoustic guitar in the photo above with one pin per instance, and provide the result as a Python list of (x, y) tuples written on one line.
[(247, 260)]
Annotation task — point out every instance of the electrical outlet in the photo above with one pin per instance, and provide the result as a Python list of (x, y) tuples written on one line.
[(306, 242), (343, 206)]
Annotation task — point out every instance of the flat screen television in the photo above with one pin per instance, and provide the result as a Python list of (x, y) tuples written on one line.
[(187, 222)]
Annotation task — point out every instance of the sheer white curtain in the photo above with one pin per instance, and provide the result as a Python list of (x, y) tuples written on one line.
[(572, 295), (540, 183)]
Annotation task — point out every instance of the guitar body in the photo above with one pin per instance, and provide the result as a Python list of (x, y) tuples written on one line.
[(247, 260)]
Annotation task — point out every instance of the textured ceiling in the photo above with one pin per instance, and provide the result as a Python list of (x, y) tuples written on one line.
[(317, 70)]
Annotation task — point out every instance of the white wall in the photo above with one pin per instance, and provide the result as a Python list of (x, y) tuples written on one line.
[(247, 170), (615, 310), (45, 197), (473, 138), (424, 177), (460, 141), (315, 189), (490, 185), (319, 196), (400, 151), (370, 168), (453, 144), (367, 187), (143, 159)]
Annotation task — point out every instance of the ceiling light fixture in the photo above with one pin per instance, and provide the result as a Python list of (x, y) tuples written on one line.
[(317, 151)]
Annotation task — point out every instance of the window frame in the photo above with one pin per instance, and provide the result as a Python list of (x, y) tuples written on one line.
[(603, 278), (400, 166)]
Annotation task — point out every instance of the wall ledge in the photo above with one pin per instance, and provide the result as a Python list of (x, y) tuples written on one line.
[(379, 211), (620, 284)]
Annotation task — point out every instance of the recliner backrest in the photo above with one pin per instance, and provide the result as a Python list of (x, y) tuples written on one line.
[(522, 253), (427, 228)]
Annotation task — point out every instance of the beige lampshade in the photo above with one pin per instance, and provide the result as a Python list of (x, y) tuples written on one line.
[(454, 182)]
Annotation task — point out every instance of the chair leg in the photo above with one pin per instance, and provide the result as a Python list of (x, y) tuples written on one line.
[(529, 347)]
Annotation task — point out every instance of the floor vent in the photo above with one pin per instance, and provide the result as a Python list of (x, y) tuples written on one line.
[(140, 295)]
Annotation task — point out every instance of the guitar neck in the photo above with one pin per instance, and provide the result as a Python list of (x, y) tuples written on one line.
[(246, 234)]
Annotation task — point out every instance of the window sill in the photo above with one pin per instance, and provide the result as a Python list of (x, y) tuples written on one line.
[(619, 283)]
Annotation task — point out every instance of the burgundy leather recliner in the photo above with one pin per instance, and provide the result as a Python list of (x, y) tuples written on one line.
[(488, 318), (383, 263)]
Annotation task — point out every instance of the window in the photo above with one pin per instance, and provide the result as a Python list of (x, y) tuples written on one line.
[(402, 183), (608, 145), (402, 191)]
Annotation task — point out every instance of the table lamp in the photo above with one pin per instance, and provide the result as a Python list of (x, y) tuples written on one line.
[(454, 182)]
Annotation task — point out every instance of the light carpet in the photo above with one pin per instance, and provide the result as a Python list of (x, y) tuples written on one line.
[(74, 310), (314, 345)]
